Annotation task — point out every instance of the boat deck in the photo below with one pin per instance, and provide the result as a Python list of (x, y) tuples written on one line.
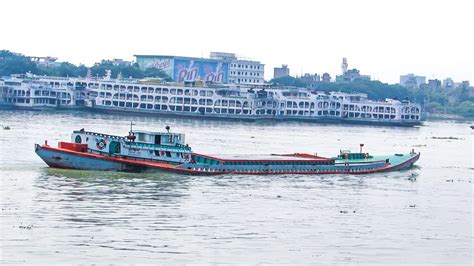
[(298, 158), (267, 157)]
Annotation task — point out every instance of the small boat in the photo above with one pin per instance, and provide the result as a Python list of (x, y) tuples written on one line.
[(141, 151)]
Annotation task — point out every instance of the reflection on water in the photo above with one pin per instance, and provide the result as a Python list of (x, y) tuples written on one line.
[(421, 215), (141, 187)]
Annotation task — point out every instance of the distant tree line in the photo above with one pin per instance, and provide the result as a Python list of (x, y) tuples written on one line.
[(12, 63), (459, 101)]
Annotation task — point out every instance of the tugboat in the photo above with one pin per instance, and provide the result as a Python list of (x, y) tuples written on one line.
[(141, 151)]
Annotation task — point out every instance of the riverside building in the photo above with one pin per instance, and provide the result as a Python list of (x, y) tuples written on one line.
[(220, 68)]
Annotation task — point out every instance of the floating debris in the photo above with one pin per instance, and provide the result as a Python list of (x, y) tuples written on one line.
[(412, 178), (26, 226), (344, 211), (445, 138)]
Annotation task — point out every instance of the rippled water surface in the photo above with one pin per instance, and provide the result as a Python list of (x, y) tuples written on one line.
[(422, 215)]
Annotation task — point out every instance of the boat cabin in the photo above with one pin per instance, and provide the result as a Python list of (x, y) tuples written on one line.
[(348, 155), (154, 146), (159, 138)]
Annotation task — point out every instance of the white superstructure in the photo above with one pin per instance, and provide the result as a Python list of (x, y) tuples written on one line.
[(197, 100), (249, 103), (40, 92)]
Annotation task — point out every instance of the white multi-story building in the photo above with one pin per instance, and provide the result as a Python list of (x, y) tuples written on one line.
[(242, 71), (246, 72)]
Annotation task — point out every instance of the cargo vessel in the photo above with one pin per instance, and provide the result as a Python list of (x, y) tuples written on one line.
[(207, 101), (142, 151)]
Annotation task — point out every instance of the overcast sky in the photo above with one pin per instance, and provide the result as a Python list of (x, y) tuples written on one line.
[(381, 38)]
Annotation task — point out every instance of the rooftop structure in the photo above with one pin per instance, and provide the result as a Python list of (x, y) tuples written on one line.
[(326, 77), (282, 71), (412, 81), (117, 62), (44, 60), (187, 69)]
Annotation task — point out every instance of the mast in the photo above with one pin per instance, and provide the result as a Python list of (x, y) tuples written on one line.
[(131, 135)]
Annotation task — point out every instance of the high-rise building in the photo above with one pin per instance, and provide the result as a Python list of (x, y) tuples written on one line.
[(242, 71), (448, 83), (282, 71), (311, 80), (344, 66), (412, 81), (434, 84)]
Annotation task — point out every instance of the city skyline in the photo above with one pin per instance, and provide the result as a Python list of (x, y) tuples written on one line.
[(383, 40)]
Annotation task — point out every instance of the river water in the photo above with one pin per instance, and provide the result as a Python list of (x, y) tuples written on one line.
[(421, 215)]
